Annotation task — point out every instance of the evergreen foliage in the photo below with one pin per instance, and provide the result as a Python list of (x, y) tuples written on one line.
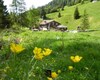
[(85, 22), (43, 13), (53, 10), (18, 6), (56, 4), (22, 19), (76, 13), (59, 15), (18, 14), (4, 16)]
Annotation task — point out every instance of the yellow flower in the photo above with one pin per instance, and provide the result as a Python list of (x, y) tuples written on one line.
[(39, 53), (59, 71), (38, 56), (49, 78), (37, 50), (54, 74), (16, 48), (70, 67), (76, 58), (47, 52)]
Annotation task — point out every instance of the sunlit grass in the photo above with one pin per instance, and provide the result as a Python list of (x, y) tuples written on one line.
[(23, 66), (67, 18)]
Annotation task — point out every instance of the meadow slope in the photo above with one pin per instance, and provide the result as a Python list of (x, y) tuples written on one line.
[(67, 15)]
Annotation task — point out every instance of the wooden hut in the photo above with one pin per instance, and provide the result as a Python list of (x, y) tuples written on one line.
[(48, 24)]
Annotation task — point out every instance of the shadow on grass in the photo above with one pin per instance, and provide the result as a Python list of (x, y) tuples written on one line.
[(62, 50)]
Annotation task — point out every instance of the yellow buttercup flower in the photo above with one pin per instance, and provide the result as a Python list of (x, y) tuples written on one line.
[(47, 52), (16, 48), (70, 68), (76, 58), (54, 74), (38, 56), (49, 78), (37, 50), (39, 53)]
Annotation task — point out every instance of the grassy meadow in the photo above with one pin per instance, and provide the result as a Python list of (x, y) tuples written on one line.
[(53, 55), (68, 20), (24, 66)]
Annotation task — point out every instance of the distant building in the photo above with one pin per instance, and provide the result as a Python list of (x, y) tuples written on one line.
[(48, 24), (62, 27)]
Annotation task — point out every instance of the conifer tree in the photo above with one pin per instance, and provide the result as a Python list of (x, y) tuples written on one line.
[(18, 6), (4, 15), (18, 9), (43, 13), (59, 15), (85, 22), (76, 13)]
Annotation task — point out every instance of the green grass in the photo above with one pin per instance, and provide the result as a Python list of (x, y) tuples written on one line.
[(68, 20), (63, 44)]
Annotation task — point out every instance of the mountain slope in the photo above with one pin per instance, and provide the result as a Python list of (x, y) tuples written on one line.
[(93, 10)]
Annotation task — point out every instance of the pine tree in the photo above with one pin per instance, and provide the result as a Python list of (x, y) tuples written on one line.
[(62, 8), (43, 13), (85, 22), (76, 13), (18, 8), (4, 15), (59, 15), (22, 15), (21, 6), (14, 6), (63, 4)]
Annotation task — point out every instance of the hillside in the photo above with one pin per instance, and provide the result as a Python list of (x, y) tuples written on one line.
[(67, 15)]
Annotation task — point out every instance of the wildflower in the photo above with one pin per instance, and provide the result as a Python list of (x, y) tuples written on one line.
[(47, 52), (54, 74), (76, 58), (49, 78), (38, 56), (59, 71), (37, 50), (70, 68), (16, 48), (39, 53)]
